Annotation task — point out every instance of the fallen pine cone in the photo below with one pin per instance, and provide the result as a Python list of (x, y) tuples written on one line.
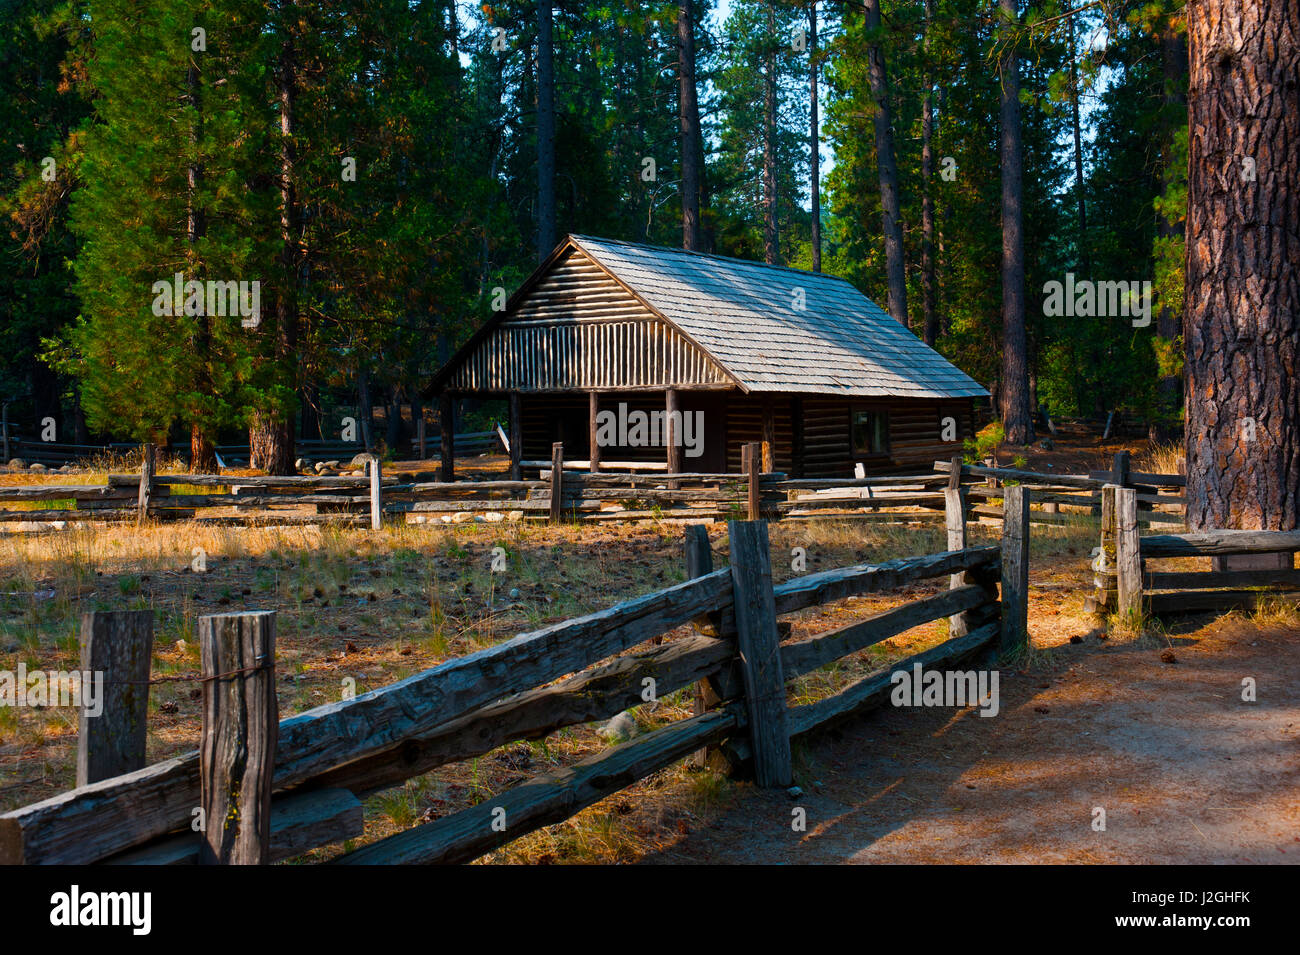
[(1167, 656)]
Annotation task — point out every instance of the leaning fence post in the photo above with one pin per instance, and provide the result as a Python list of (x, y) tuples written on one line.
[(954, 510), (699, 563), (751, 460), (1128, 555), (116, 651), (557, 479), (240, 723), (1015, 571), (148, 464), (760, 652), (376, 501)]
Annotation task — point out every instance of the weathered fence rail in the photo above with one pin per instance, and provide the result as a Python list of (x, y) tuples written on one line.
[(317, 764), (1247, 567), (563, 492), (1079, 492)]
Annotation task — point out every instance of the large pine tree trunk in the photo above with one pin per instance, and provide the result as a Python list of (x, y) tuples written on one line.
[(203, 454), (688, 106), (1242, 305), (1173, 48), (1017, 419), (270, 430), (814, 142), (771, 239), (887, 166), (928, 281), (545, 132), (1085, 267)]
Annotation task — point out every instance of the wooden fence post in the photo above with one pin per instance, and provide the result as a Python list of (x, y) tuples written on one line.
[(1015, 571), (760, 653), (699, 563), (954, 509), (148, 464), (117, 648), (1119, 470), (516, 437), (240, 723), (447, 425), (557, 479), (751, 459), (1109, 555), (1128, 555), (376, 501)]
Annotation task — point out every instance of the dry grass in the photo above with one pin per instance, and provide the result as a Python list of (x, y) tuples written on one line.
[(376, 607)]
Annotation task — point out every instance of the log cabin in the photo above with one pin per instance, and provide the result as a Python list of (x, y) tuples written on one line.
[(641, 357)]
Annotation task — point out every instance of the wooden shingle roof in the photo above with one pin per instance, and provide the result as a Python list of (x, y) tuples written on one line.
[(747, 317)]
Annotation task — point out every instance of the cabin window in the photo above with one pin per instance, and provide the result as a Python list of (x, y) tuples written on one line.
[(869, 431)]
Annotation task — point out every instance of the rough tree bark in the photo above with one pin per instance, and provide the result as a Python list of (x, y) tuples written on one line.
[(270, 430), (887, 167), (688, 107), (1085, 267), (1013, 396), (928, 280), (1173, 49), (1242, 299), (203, 453), (814, 142), (771, 240), (545, 132)]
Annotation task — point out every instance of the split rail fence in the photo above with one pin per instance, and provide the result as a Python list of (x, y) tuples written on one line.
[(561, 493), (299, 783), (1247, 567)]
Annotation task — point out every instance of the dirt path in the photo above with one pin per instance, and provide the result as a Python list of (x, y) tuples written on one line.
[(1186, 771)]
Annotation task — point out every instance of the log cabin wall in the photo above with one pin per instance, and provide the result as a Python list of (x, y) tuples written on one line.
[(915, 435)]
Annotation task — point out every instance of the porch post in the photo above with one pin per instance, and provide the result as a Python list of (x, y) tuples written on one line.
[(448, 427), (672, 435), (593, 410), (516, 438)]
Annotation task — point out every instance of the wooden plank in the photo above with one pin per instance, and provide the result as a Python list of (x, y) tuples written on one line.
[(1142, 477), (807, 655), (545, 800), (516, 436), (699, 563), (447, 426), (1200, 579), (593, 431), (751, 458), (1119, 471), (376, 499), (1128, 555), (1025, 477), (1212, 543), (300, 822), (837, 584), (95, 821), (760, 652), (1015, 573), (557, 481), (117, 647), (1200, 601), (954, 508), (148, 465), (874, 690), (598, 693), (237, 754), (673, 422)]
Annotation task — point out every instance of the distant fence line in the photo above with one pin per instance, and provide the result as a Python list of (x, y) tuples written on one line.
[(57, 454), (563, 492)]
